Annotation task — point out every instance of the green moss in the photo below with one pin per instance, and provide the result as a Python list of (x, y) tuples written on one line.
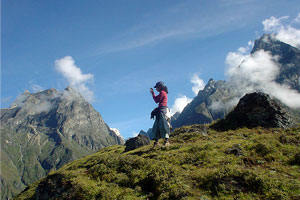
[(193, 167)]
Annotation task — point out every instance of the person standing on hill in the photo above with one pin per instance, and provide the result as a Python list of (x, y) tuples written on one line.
[(161, 126)]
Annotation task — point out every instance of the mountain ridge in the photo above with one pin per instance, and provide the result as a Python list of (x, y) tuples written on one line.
[(202, 109), (44, 131)]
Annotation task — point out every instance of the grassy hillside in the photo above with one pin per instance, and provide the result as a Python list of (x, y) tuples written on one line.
[(242, 164)]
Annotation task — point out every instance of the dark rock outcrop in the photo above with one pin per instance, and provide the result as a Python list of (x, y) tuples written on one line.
[(136, 142), (256, 109)]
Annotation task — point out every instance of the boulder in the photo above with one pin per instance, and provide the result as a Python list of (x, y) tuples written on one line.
[(136, 142), (256, 109)]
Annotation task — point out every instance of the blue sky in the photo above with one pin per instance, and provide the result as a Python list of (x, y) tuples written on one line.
[(122, 48)]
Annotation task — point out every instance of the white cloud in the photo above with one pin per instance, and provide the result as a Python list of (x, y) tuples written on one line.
[(273, 24), (179, 104), (66, 66), (198, 83), (234, 59), (297, 19), (116, 131), (227, 105), (285, 33), (250, 44), (37, 88), (290, 36), (135, 134), (258, 72), (8, 99), (257, 68), (44, 106), (182, 21), (142, 41)]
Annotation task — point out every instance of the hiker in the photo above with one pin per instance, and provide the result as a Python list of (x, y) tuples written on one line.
[(161, 126)]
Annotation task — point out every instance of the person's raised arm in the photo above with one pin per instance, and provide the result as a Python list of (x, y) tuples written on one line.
[(152, 92), (158, 98)]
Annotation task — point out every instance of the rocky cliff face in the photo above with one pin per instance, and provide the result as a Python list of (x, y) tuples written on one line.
[(116, 132), (45, 130), (219, 97)]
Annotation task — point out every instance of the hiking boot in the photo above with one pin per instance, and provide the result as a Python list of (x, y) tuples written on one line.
[(155, 145), (166, 144)]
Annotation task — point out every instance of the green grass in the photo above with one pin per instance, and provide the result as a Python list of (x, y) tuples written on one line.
[(193, 167)]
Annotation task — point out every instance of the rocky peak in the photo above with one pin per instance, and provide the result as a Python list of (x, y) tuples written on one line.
[(288, 59), (20, 99), (66, 111), (72, 91), (201, 109), (210, 85), (269, 43), (69, 88), (44, 131), (210, 82)]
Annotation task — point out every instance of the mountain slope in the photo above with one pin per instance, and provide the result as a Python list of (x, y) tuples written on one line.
[(208, 105), (44, 131), (243, 164)]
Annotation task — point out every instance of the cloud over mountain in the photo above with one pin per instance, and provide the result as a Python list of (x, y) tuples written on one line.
[(258, 71), (288, 33), (182, 101), (73, 74), (198, 83), (179, 104)]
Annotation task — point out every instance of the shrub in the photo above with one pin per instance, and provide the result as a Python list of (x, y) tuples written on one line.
[(296, 159)]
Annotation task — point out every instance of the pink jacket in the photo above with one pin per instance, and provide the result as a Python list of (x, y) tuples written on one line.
[(162, 99)]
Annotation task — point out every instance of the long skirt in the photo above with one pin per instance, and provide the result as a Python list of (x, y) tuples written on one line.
[(161, 127)]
